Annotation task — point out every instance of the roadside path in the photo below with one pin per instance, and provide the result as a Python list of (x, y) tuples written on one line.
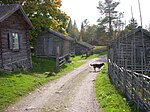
[(73, 92)]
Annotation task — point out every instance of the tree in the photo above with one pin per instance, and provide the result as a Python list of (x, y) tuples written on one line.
[(118, 25), (101, 35), (44, 14), (90, 34), (84, 27), (132, 24), (82, 32), (130, 27), (107, 10), (72, 30), (69, 27)]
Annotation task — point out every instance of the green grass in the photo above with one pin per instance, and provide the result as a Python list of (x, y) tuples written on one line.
[(99, 49), (42, 65), (80, 57), (108, 96), (69, 67), (97, 55), (15, 85)]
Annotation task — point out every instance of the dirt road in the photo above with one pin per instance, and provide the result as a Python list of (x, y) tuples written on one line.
[(73, 92)]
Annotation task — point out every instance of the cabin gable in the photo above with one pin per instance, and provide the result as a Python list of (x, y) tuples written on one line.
[(15, 21), (82, 48), (51, 44), (132, 49), (14, 39)]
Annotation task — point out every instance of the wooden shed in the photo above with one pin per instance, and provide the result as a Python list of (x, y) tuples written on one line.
[(132, 50), (83, 48), (14, 38), (51, 43)]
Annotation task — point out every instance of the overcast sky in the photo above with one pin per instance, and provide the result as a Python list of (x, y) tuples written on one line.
[(80, 10)]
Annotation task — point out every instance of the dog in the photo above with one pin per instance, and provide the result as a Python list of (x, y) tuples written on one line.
[(97, 66)]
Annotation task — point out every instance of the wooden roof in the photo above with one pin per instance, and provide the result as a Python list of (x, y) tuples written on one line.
[(85, 44), (60, 35), (9, 9), (138, 29)]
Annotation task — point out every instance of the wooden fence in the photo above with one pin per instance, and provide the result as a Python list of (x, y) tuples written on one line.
[(135, 86), (60, 61)]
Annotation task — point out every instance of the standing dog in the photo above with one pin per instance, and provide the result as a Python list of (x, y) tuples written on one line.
[(97, 66)]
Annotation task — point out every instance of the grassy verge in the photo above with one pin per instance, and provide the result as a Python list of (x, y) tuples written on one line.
[(17, 84), (80, 57), (109, 98), (99, 49)]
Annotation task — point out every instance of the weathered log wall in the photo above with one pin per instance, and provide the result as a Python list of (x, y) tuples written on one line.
[(131, 50), (133, 85), (20, 59), (43, 45), (80, 49)]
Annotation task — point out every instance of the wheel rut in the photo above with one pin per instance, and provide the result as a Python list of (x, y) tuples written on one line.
[(73, 92)]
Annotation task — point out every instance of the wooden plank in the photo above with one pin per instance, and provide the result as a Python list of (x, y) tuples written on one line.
[(137, 85)]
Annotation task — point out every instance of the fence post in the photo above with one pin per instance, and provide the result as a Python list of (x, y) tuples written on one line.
[(124, 74), (109, 68), (57, 57), (143, 71)]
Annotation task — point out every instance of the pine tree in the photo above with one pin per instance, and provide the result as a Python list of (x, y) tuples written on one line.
[(72, 30), (107, 9)]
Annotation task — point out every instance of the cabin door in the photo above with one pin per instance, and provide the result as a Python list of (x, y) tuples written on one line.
[(50, 46)]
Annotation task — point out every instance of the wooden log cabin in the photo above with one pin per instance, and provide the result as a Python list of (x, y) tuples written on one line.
[(132, 50), (51, 43), (83, 48), (14, 38)]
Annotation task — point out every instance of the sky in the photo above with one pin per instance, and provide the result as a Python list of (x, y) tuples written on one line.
[(80, 10)]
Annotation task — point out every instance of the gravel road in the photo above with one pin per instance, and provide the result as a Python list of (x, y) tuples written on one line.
[(73, 92)]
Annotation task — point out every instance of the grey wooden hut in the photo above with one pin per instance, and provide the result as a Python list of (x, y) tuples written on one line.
[(83, 48), (14, 38), (132, 50), (51, 43)]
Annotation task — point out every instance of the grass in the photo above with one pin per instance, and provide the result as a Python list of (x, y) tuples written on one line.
[(41, 65), (69, 67), (108, 96), (15, 85), (99, 49), (80, 57)]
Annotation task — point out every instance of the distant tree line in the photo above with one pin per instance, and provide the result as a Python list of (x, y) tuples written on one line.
[(110, 25), (47, 14)]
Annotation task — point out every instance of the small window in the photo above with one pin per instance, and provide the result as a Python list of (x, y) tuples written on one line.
[(14, 41)]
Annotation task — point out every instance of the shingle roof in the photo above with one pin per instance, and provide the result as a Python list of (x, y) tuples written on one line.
[(85, 44), (9, 9), (138, 29), (61, 35)]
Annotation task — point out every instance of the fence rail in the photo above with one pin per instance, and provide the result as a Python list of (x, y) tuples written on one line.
[(135, 86), (60, 61)]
